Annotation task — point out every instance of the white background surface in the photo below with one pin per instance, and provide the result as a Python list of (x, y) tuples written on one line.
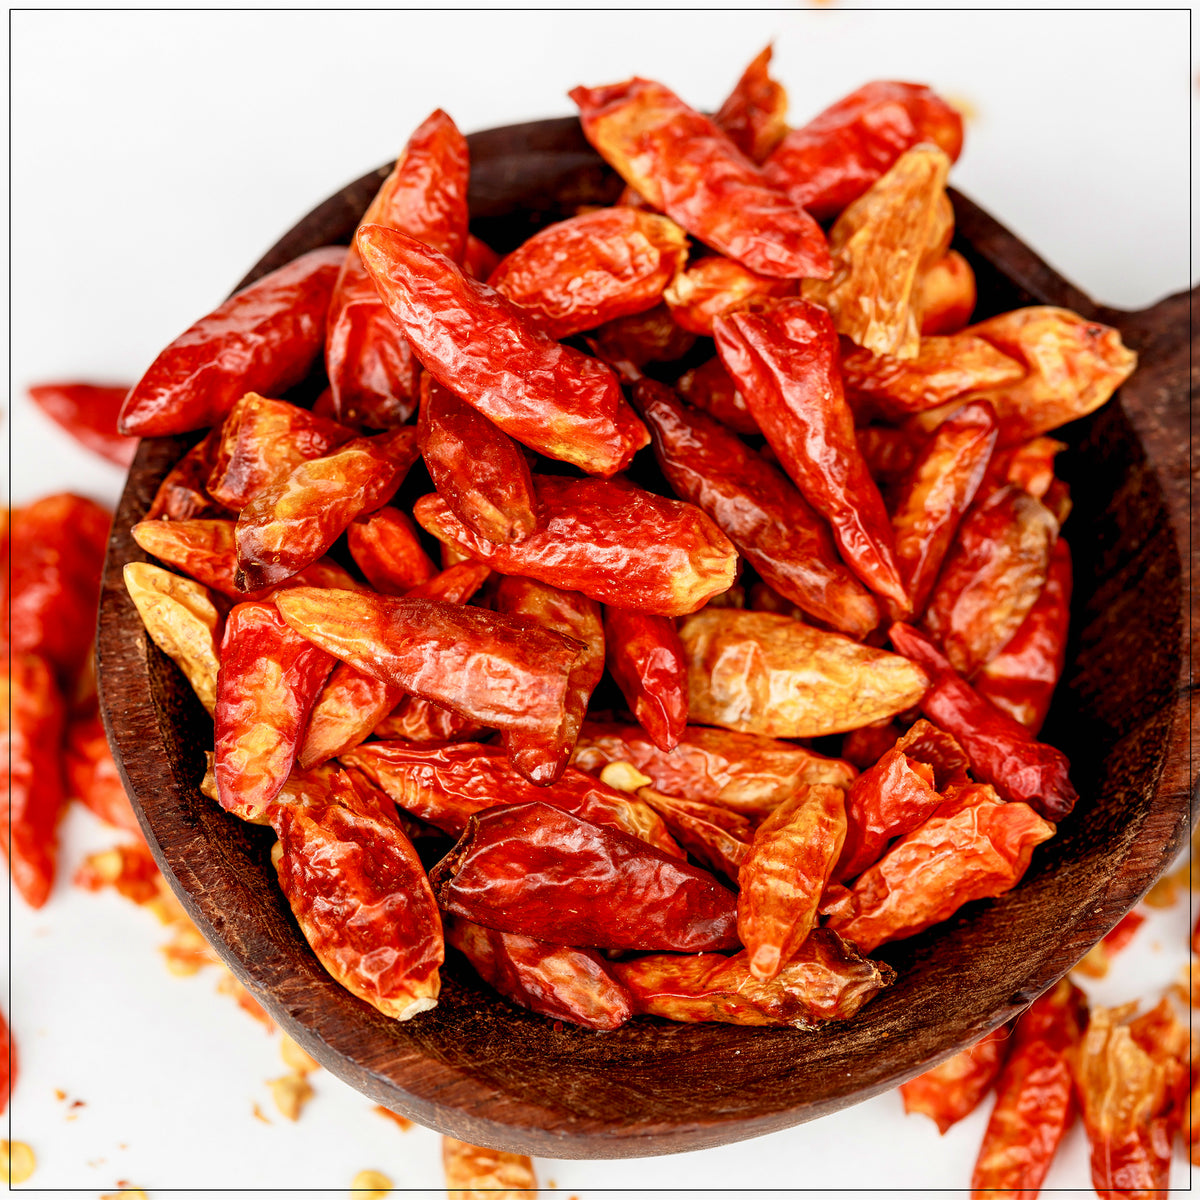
[(156, 155)]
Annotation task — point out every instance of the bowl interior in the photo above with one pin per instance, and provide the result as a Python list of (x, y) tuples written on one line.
[(489, 1072)]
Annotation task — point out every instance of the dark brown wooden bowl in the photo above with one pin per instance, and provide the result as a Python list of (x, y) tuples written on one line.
[(485, 1071)]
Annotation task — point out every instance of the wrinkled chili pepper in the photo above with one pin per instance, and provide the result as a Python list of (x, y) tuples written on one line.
[(680, 161), (290, 524), (945, 295), (537, 870), (645, 337), (1021, 677), (609, 540), (373, 371), (754, 114), (417, 720), (955, 1088), (549, 397), (360, 895), (715, 837), (388, 551), (261, 442), (34, 720), (183, 493), (715, 285), (740, 771), (826, 980), (479, 259), (91, 773), (840, 153), (542, 756), (784, 873), (579, 273), (1034, 1105), (785, 364), (645, 659), (935, 492), (269, 679), (757, 508), (563, 983), (762, 673), (446, 785), (974, 846), (1000, 750), (88, 412), (710, 387), (476, 467), (263, 339), (504, 672), (991, 577)]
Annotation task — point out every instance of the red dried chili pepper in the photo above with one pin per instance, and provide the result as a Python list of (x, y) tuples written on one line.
[(945, 295), (372, 370), (263, 339), (88, 412), (645, 337), (540, 756), (537, 870), (1000, 750), (645, 658), (261, 442), (592, 268), (388, 551), (563, 983), (682, 163), (955, 1088), (476, 467), (716, 837), (757, 508), (268, 681), (33, 722), (710, 387), (551, 398), (422, 721), (290, 524), (8, 1064), (841, 152), (1020, 679), (609, 540), (785, 362), (715, 285), (91, 774), (183, 493), (754, 114), (826, 980), (446, 785)]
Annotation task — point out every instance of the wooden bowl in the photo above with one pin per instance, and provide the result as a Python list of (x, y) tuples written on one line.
[(483, 1070)]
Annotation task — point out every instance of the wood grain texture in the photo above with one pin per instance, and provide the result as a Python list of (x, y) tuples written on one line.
[(484, 1071)]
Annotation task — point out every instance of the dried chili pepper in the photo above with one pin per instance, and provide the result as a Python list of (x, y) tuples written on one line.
[(472, 1171), (263, 339), (739, 771), (261, 442), (88, 412), (542, 756), (645, 337), (269, 679), (56, 548), (372, 370), (8, 1064), (762, 673), (955, 1088), (826, 980), (549, 397), (645, 658), (710, 387), (934, 494), (945, 295), (1000, 750), (290, 524), (716, 837), (446, 785), (784, 874), (754, 114), (31, 801), (183, 493), (1034, 1105), (476, 467), (421, 721), (91, 774), (564, 983), (609, 540), (537, 870), (680, 161), (715, 285), (479, 259), (360, 895), (504, 672), (991, 577), (757, 508), (1095, 963), (828, 163), (1021, 677), (974, 846), (579, 273), (182, 621), (785, 364), (388, 551)]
